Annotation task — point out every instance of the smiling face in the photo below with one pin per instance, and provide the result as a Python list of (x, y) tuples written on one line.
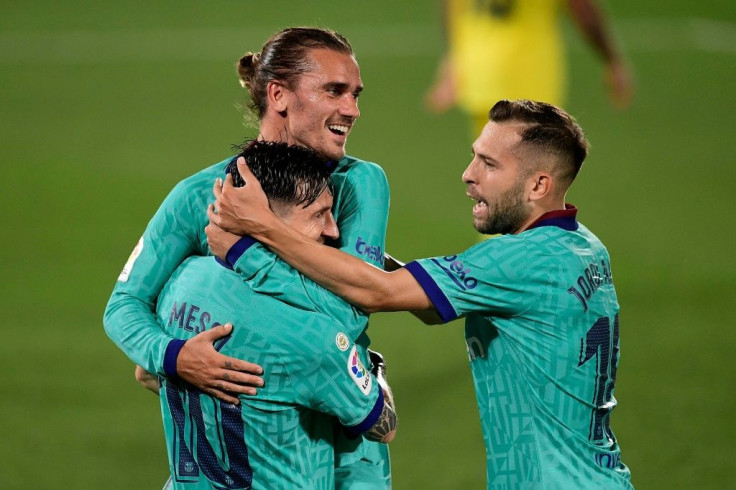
[(315, 221), (496, 182), (323, 105)]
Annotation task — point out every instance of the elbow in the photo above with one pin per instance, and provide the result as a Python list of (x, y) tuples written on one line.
[(375, 302)]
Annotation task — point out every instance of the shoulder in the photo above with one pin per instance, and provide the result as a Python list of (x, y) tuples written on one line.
[(355, 168), (205, 177)]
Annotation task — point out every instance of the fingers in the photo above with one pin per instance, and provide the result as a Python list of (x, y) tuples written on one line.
[(216, 332), (221, 395), (213, 217), (245, 171), (217, 188), (229, 181)]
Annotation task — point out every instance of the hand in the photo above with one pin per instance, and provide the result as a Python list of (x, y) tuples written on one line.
[(147, 380), (219, 240), (240, 210), (620, 84), (442, 94), (218, 375)]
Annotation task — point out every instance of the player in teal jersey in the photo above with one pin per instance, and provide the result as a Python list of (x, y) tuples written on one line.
[(314, 371), (541, 310), (304, 85)]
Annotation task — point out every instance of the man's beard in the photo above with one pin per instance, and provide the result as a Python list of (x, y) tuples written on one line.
[(506, 214)]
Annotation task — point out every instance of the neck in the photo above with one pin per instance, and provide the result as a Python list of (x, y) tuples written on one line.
[(539, 211), (273, 128)]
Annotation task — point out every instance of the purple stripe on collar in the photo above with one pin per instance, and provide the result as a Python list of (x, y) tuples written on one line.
[(565, 219)]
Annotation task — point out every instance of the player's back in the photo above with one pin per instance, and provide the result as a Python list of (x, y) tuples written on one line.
[(277, 439), (553, 358)]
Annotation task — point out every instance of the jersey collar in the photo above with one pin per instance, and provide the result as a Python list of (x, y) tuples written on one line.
[(565, 219)]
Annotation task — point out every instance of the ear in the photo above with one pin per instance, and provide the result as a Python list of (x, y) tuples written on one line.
[(277, 95), (541, 185)]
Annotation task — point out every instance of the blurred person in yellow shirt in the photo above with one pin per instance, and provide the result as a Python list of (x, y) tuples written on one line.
[(514, 49)]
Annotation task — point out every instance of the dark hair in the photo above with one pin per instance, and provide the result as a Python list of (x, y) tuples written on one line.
[(289, 174), (284, 57), (549, 129)]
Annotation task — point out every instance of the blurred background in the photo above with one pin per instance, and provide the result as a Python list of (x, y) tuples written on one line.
[(105, 106)]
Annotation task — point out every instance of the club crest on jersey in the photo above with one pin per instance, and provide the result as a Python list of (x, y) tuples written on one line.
[(342, 341), (358, 372), (125, 274)]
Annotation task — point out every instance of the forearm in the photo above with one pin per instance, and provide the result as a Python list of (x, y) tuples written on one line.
[(384, 430), (359, 283), (593, 25), (131, 325)]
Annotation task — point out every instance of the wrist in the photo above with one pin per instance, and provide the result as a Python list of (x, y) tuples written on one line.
[(171, 356)]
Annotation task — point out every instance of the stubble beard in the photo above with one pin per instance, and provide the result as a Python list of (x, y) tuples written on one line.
[(507, 214)]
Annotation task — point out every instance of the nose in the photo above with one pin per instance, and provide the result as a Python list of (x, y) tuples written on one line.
[(349, 106), (330, 229), (469, 173)]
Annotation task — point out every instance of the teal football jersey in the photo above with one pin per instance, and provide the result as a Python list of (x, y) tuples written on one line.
[(542, 334), (176, 232), (314, 375)]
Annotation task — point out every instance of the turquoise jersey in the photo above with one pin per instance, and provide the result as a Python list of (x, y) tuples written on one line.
[(176, 232), (314, 375), (542, 333)]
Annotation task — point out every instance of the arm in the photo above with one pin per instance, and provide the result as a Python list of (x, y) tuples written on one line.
[(384, 430), (361, 209), (361, 284), (593, 25), (428, 317), (441, 95), (147, 380), (129, 317)]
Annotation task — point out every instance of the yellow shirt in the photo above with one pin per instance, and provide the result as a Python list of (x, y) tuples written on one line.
[(506, 49)]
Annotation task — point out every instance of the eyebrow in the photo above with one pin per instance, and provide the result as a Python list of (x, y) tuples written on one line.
[(341, 86), (485, 158)]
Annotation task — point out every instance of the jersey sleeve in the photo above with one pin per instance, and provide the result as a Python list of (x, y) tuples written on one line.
[(172, 235), (340, 383), (361, 211), (491, 277), (266, 273)]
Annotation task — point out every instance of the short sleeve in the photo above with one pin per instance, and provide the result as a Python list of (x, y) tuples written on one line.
[(342, 384), (492, 278)]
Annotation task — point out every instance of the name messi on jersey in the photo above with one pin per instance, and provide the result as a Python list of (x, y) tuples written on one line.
[(592, 278), (190, 318)]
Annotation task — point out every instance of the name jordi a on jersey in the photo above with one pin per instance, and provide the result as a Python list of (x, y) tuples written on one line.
[(590, 280)]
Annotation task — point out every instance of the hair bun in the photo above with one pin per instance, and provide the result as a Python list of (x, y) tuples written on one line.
[(246, 67)]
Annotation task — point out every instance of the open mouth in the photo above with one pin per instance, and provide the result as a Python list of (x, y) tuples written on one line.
[(480, 205), (339, 129)]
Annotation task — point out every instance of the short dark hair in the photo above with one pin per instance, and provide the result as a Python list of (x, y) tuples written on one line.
[(290, 175), (549, 129), (285, 57)]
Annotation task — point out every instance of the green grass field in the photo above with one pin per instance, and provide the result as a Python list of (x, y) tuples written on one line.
[(105, 106)]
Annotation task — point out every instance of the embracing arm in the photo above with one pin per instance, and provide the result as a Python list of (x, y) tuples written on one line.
[(384, 430), (361, 284), (130, 319)]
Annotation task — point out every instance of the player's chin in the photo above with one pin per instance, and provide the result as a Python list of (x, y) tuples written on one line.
[(336, 154), (481, 226)]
